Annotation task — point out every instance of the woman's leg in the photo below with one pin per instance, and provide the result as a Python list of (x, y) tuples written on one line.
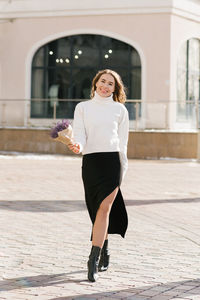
[(99, 232), (101, 223)]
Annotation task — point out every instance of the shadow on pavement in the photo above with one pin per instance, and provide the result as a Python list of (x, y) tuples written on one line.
[(75, 205), (162, 201), (176, 288), (44, 205), (39, 281)]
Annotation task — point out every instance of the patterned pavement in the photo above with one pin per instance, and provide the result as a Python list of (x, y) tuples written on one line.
[(45, 232)]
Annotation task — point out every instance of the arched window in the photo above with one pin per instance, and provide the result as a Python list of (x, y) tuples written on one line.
[(188, 75), (64, 68), (188, 80)]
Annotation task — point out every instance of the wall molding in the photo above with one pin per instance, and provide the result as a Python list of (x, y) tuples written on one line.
[(15, 9)]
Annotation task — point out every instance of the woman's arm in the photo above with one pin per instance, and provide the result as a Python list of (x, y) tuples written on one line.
[(78, 130), (123, 131)]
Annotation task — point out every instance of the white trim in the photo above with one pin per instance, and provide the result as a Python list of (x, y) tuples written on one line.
[(37, 6), (36, 46), (187, 15), (52, 8), (84, 12)]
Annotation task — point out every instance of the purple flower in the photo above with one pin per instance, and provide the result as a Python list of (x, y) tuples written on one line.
[(61, 125)]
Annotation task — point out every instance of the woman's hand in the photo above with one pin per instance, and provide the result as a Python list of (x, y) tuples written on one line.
[(74, 147)]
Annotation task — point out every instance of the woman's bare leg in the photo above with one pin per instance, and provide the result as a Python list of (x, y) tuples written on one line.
[(99, 233), (100, 227)]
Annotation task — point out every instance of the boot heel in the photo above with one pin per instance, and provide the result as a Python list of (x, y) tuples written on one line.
[(105, 258), (93, 263)]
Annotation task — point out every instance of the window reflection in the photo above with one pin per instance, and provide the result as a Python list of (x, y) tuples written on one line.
[(188, 73), (64, 68), (188, 79)]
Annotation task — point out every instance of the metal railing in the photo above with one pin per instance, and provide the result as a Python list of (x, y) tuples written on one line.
[(143, 115)]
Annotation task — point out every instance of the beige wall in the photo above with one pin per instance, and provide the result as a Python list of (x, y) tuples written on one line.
[(156, 36), (145, 32)]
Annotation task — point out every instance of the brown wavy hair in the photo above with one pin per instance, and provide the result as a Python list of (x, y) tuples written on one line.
[(119, 92)]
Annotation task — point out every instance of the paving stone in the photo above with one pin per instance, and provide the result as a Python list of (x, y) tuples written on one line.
[(45, 232)]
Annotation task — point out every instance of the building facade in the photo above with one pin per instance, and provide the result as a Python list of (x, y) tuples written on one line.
[(51, 50)]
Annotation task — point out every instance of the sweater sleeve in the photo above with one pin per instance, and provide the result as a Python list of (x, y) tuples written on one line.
[(123, 131), (78, 127)]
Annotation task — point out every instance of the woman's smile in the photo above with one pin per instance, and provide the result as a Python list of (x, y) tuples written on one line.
[(105, 86)]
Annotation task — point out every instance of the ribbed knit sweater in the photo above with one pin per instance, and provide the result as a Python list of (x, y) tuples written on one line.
[(101, 125)]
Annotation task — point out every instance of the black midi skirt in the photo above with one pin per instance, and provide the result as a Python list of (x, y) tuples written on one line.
[(101, 176)]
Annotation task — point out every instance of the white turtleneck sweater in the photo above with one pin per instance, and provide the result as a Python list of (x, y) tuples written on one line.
[(102, 125)]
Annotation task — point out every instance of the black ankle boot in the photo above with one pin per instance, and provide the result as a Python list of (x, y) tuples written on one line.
[(93, 263), (105, 257)]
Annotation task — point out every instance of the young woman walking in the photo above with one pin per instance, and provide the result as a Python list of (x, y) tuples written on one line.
[(100, 129)]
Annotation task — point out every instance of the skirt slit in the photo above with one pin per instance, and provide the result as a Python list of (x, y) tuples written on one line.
[(105, 199), (101, 176)]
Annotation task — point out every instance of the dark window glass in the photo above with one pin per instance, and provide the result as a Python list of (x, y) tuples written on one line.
[(135, 84), (115, 53), (58, 53), (82, 80), (135, 58), (38, 60), (64, 69), (38, 83), (85, 51)]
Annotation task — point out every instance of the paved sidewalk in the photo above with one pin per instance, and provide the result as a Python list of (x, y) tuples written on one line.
[(45, 232)]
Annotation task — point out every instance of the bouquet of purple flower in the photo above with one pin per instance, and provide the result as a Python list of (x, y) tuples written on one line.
[(62, 132)]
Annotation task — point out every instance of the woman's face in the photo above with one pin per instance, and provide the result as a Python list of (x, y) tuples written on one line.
[(105, 86)]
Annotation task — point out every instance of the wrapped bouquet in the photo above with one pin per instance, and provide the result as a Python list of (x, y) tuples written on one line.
[(62, 132)]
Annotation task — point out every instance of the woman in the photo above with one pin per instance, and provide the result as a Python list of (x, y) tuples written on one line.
[(101, 134)]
